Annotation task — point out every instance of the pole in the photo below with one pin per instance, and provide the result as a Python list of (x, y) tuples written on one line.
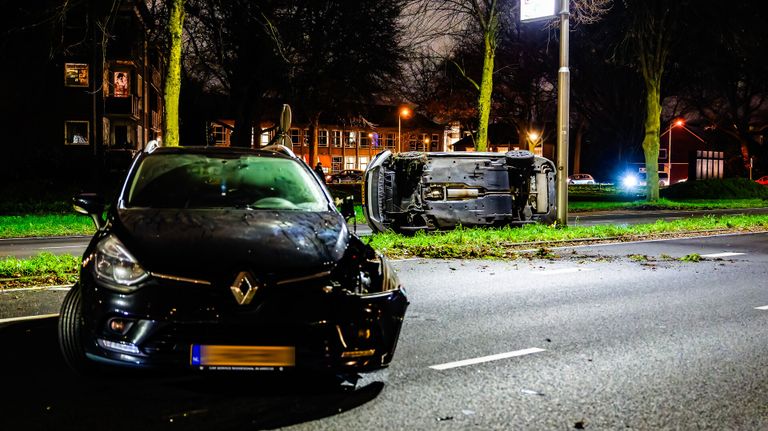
[(563, 114), (669, 156), (399, 145)]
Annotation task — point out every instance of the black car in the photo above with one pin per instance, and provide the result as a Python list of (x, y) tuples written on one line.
[(414, 191), (228, 259), (346, 176)]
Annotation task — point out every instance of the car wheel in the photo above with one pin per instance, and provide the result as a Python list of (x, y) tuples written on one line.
[(71, 332), (519, 158)]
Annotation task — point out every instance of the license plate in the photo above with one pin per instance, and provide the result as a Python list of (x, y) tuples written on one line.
[(242, 356)]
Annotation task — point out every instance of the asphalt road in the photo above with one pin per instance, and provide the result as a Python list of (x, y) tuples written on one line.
[(621, 336), (27, 247)]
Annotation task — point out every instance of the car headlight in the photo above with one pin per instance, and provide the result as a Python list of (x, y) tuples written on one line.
[(115, 265), (629, 181)]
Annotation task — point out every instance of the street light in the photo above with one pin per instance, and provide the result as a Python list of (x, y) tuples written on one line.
[(403, 112), (533, 140), (678, 123)]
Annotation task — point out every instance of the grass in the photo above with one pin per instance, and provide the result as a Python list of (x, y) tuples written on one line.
[(43, 269), (667, 204), (509, 242), (18, 226)]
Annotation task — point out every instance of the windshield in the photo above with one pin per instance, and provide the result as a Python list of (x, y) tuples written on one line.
[(221, 181)]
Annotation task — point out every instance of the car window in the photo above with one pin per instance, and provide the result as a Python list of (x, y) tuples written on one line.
[(211, 181)]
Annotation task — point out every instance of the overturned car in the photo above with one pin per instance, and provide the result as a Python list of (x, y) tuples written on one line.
[(415, 191)]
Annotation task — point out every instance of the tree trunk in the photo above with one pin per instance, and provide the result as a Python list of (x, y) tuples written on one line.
[(173, 74), (314, 123), (651, 138), (486, 90)]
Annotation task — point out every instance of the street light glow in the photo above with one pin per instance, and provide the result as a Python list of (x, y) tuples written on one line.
[(405, 112), (679, 122), (533, 136)]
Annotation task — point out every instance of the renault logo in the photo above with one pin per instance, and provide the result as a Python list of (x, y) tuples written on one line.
[(244, 287)]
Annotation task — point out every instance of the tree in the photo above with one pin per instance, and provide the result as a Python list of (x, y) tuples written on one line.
[(725, 79), (653, 30), (482, 20), (173, 73), (340, 53)]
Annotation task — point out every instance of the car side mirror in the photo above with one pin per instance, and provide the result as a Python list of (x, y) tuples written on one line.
[(348, 207), (91, 204)]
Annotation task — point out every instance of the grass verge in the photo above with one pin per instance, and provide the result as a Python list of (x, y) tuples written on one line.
[(508, 242), (44, 269), (19, 226), (667, 204)]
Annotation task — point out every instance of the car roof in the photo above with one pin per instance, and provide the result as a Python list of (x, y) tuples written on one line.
[(214, 151)]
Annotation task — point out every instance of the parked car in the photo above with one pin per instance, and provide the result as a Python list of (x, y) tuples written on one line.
[(346, 176), (581, 179), (415, 191), (762, 180), (228, 259)]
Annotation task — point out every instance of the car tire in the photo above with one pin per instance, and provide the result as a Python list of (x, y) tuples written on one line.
[(71, 332), (519, 158)]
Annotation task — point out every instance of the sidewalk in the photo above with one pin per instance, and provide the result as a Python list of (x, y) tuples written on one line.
[(15, 303)]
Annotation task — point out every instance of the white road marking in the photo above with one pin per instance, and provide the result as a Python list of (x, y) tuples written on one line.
[(23, 318), (483, 359), (764, 307), (562, 271), (726, 254), (30, 289)]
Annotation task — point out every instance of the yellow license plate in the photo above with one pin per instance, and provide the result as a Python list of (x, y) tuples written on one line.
[(242, 356)]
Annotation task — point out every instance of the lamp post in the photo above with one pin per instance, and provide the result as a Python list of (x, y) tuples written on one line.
[(403, 112), (533, 140), (677, 123)]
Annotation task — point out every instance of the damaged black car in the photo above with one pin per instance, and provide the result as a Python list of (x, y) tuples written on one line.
[(228, 259), (415, 191)]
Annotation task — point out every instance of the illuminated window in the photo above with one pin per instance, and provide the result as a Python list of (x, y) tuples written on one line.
[(336, 162), (363, 162), (121, 81), (351, 140), (349, 162), (322, 138), (75, 74), (336, 138), (76, 133)]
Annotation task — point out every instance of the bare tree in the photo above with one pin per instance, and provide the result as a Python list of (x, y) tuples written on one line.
[(481, 21)]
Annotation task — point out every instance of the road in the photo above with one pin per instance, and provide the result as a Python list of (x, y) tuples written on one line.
[(623, 336), (27, 247)]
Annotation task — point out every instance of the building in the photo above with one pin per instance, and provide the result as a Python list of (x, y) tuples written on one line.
[(95, 97), (349, 142)]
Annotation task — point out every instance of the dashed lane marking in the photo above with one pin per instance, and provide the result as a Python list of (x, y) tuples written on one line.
[(483, 359), (764, 307), (726, 254)]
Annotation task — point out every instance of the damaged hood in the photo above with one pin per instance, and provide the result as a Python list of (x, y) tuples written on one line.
[(208, 241)]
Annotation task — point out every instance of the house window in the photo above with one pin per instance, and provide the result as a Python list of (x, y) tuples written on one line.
[(413, 144), (322, 138), (265, 139), (375, 140), (349, 162), (365, 140), (336, 138), (336, 162), (363, 162), (351, 141), (389, 140), (76, 133), (435, 144), (75, 74), (219, 135), (295, 137), (122, 84), (305, 141)]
